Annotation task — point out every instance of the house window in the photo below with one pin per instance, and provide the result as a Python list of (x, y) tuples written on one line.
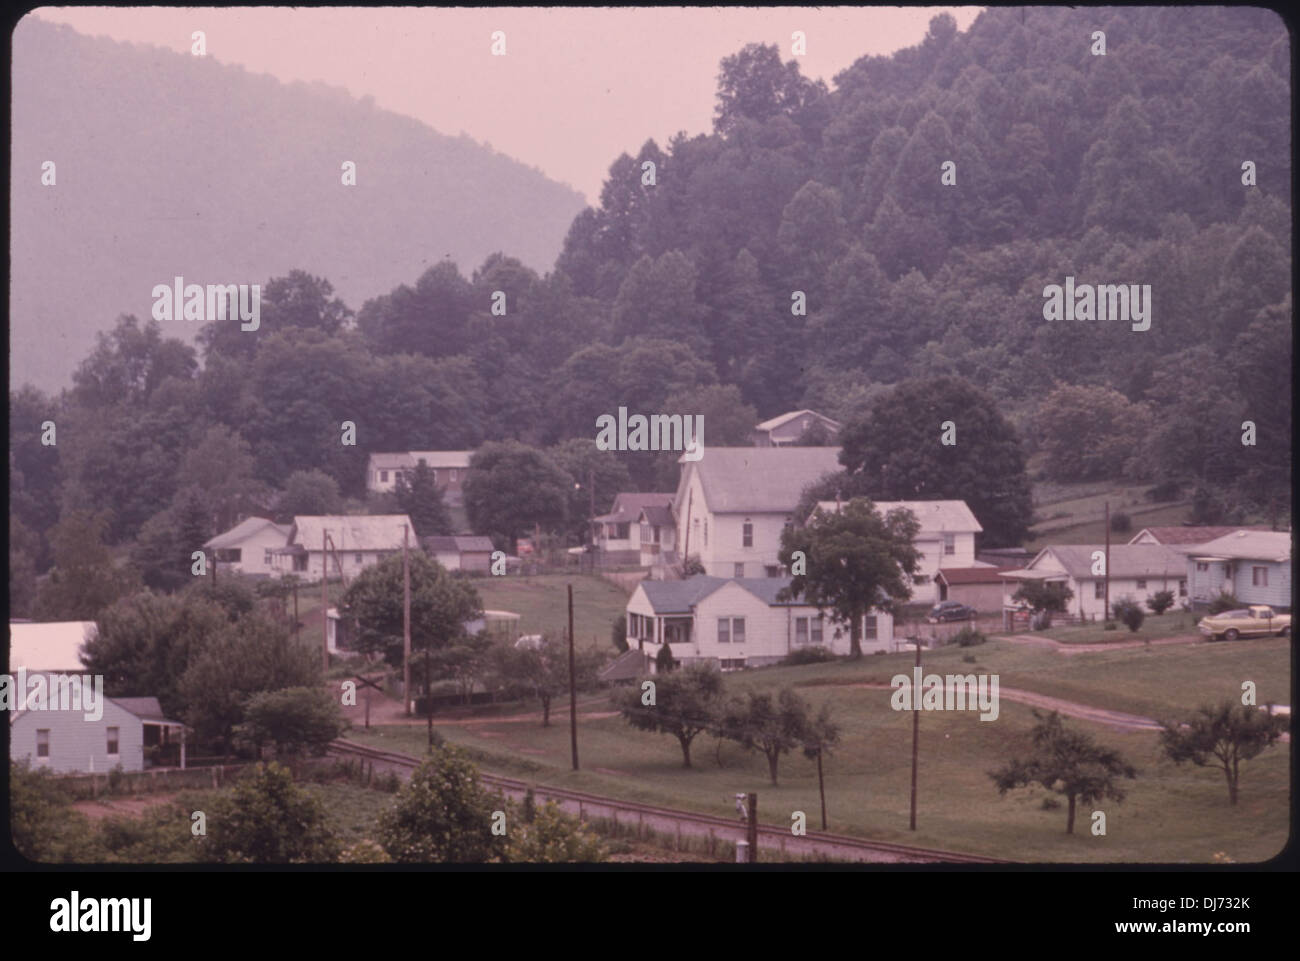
[(731, 663), (112, 741), (1099, 590), (815, 628), (267, 557), (359, 560), (747, 534), (1259, 577), (1141, 584), (921, 579), (706, 532), (645, 533), (870, 628), (1202, 567), (807, 630), (43, 742), (800, 631), (434, 472), (454, 474), (1182, 588), (738, 570), (950, 543), (731, 630), (772, 570), (300, 562), (383, 477)]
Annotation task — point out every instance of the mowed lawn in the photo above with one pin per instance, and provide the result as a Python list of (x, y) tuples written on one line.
[(541, 602), (1172, 624), (1171, 814)]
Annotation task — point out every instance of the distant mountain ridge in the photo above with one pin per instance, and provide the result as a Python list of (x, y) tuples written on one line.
[(173, 165)]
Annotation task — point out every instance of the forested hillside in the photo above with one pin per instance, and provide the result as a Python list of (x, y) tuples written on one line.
[(1125, 168)]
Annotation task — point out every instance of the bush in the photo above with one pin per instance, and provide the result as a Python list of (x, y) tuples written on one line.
[(1110, 626), (664, 660), (1121, 523), (809, 655), (968, 637), (267, 819), (618, 634), (442, 815), (1224, 602), (1130, 612), (1160, 601)]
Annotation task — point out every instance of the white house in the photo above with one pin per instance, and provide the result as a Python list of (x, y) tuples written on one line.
[(66, 741), (1184, 534), (732, 504), (249, 547), (946, 540), (457, 553), (786, 429), (617, 534), (354, 542), (1136, 570), (450, 467), (1252, 565), (737, 622)]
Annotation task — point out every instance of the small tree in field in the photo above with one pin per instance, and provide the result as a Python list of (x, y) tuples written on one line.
[(1227, 735), (1160, 601), (1127, 610), (295, 720), (267, 819), (772, 726), (442, 815), (1069, 763), (686, 703), (1044, 598)]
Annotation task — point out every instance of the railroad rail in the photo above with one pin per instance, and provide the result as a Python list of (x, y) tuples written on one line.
[(771, 839)]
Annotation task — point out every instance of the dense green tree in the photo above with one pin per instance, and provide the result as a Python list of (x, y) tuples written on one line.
[(1222, 735), (853, 560), (85, 578), (309, 492), (771, 725), (1091, 433), (685, 704), (267, 819), (294, 720), (513, 488), (442, 814), (899, 450), (421, 499), (542, 671)]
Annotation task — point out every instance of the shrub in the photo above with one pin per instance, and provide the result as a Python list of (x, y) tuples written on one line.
[(443, 814), (267, 819), (1110, 626), (1131, 613), (1224, 602), (968, 637), (1160, 601), (809, 655), (618, 634), (664, 660), (1121, 523), (968, 658)]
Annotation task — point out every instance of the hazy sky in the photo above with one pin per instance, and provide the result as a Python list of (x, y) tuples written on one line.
[(576, 87)]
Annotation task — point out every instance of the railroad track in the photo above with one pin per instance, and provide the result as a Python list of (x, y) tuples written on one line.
[(662, 820)]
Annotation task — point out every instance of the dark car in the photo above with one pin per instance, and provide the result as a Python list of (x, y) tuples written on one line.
[(950, 611)]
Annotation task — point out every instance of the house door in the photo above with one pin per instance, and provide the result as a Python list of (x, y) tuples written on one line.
[(943, 589)]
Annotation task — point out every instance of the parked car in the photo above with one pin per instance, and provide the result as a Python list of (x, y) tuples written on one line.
[(949, 611), (1258, 619)]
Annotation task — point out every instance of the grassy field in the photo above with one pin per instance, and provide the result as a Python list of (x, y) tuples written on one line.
[(1171, 813), (542, 604)]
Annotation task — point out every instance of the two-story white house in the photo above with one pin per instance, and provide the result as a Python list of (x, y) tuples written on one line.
[(617, 535), (945, 541), (249, 547), (1252, 565), (732, 504), (737, 623), (1136, 570), (658, 538), (352, 542)]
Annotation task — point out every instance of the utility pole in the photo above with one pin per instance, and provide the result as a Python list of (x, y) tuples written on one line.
[(916, 732), (324, 599), (751, 829), (1105, 614), (821, 785), (573, 690), (406, 625)]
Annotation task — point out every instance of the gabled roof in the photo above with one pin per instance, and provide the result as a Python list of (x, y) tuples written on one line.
[(1126, 560), (352, 532), (658, 515), (761, 480), (934, 516), (145, 708), (458, 543), (1188, 535), (785, 418), (628, 506), (243, 531), (681, 597), (49, 646), (1248, 545)]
